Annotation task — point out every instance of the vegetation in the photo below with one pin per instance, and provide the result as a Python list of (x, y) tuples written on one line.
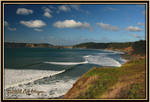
[(138, 47), (128, 81), (28, 45), (124, 82)]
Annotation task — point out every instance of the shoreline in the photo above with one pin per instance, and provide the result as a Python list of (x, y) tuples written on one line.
[(123, 55), (120, 82), (61, 97), (130, 56)]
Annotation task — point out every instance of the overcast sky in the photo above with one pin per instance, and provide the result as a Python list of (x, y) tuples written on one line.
[(72, 24)]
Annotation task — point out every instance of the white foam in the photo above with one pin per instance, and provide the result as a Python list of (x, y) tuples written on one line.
[(115, 52), (14, 77), (66, 63), (52, 90), (102, 60)]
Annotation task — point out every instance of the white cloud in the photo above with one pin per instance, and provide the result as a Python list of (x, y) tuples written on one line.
[(71, 24), (33, 23), (38, 30), (6, 23), (64, 8), (107, 26), (71, 7), (47, 12), (24, 11), (141, 24), (11, 29), (133, 28)]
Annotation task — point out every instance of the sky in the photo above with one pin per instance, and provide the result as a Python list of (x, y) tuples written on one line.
[(73, 24)]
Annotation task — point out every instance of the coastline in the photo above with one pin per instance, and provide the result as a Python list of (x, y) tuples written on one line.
[(126, 82), (60, 97), (88, 79), (124, 55)]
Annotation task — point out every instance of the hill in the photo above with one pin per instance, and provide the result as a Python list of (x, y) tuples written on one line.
[(137, 47), (27, 45), (125, 82)]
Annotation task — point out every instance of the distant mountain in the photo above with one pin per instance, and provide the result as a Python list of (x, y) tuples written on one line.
[(27, 45)]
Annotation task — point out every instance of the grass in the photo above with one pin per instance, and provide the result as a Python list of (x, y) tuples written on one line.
[(125, 82), (136, 91)]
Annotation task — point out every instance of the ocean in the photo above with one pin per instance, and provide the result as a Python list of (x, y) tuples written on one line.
[(48, 72)]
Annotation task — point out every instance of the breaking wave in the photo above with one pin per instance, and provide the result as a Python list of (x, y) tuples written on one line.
[(102, 59), (26, 76), (67, 63)]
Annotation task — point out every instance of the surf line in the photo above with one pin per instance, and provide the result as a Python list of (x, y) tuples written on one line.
[(67, 63), (32, 80)]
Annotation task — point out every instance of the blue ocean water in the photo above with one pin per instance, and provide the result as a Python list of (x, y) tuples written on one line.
[(50, 71)]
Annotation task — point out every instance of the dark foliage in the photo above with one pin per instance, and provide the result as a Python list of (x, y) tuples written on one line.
[(139, 47)]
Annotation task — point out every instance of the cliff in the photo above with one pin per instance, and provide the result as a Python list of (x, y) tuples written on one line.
[(126, 82)]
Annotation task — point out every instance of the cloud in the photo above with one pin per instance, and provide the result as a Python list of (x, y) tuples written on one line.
[(24, 11), (47, 9), (133, 29), (64, 8), (38, 30), (6, 23), (33, 23), (47, 12), (107, 26), (71, 24), (67, 8), (141, 24), (11, 29)]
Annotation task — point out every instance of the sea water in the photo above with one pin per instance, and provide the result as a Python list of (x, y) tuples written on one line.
[(49, 72)]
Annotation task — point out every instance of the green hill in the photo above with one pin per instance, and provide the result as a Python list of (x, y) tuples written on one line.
[(137, 47), (125, 82)]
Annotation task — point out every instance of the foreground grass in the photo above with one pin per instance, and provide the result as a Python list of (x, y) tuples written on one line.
[(126, 82)]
